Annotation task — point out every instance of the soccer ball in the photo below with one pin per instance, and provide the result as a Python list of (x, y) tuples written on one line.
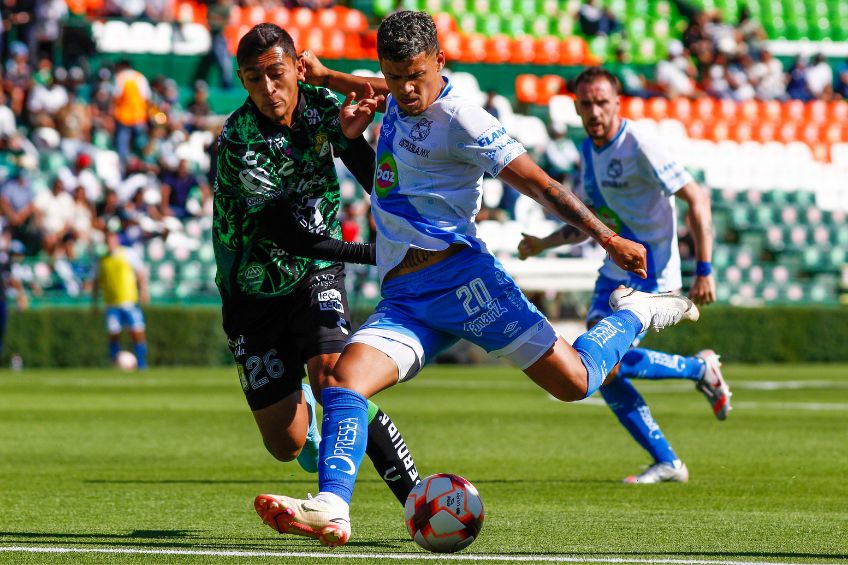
[(444, 513), (126, 361)]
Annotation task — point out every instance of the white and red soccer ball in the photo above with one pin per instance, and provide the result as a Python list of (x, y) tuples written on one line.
[(444, 513)]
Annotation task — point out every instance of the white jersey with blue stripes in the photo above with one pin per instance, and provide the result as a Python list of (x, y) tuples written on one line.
[(630, 183), (428, 183)]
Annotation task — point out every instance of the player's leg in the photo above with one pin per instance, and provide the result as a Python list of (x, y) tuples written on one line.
[(114, 323), (137, 332)]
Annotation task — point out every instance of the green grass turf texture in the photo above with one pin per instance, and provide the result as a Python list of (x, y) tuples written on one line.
[(171, 459)]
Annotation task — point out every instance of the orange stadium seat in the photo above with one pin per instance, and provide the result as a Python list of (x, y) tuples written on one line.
[(832, 133), (547, 51), (657, 108), (523, 50), (302, 17), (742, 131), (765, 131), (280, 16), (788, 131), (633, 108), (719, 131), (681, 109), (354, 20), (353, 46), (498, 49), (527, 88), (444, 23), (727, 109), (314, 40), (771, 110), (451, 43), (573, 50), (810, 133), (233, 34), (335, 44), (821, 152), (705, 109), (549, 86), (697, 129), (330, 18), (474, 47), (297, 38), (838, 112), (816, 111), (793, 111), (748, 110), (254, 15)]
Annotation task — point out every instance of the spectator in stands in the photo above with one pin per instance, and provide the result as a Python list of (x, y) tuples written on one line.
[(738, 80), (820, 78), (20, 15), (722, 35), (83, 215), (131, 96), (17, 77), (768, 77), (159, 10), (633, 83), (199, 109), (676, 75), (17, 205), (842, 80), (751, 33), (177, 185), (83, 175), (109, 213), (128, 9), (697, 41), (49, 16), (716, 83), (73, 121), (122, 276), (596, 20), (56, 207), (47, 96), (218, 18), (8, 122), (797, 87)]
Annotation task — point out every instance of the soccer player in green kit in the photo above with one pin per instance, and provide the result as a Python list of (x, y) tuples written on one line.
[(280, 255)]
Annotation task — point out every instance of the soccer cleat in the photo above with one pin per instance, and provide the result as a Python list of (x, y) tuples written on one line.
[(713, 385), (308, 456), (656, 311), (309, 517), (659, 473)]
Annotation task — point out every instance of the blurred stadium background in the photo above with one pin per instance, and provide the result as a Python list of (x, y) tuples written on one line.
[(750, 96)]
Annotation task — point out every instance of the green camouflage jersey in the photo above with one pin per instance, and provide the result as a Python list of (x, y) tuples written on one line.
[(259, 163)]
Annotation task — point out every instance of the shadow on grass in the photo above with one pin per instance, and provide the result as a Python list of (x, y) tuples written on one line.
[(311, 482)]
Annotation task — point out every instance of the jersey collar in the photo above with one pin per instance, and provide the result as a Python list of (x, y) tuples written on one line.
[(624, 123)]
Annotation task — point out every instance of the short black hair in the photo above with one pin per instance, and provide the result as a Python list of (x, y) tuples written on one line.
[(592, 74), (405, 34), (261, 38)]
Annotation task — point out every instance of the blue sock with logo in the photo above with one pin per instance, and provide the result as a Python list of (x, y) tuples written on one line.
[(114, 348), (640, 363), (344, 437), (602, 347), (141, 354), (630, 409)]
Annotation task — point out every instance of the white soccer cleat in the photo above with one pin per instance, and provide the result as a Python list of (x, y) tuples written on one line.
[(656, 311), (660, 473), (311, 517), (713, 385)]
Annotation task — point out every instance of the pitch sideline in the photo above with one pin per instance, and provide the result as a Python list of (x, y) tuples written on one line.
[(384, 557)]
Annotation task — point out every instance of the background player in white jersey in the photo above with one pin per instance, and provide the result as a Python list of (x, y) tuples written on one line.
[(628, 179), (440, 284)]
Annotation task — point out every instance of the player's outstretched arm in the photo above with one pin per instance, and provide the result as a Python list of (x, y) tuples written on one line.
[(700, 219), (531, 245), (320, 75), (356, 117), (528, 178)]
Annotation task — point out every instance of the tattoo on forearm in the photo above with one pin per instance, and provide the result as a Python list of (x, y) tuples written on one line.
[(414, 258), (574, 211)]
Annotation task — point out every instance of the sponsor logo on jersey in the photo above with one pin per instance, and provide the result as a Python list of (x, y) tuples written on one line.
[(490, 138), (253, 271), (481, 322), (512, 328), (421, 130), (330, 300), (412, 148), (608, 216), (256, 180), (240, 369), (341, 460), (311, 116), (386, 177), (615, 168), (322, 144)]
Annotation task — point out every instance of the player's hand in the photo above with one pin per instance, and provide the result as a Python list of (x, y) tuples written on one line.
[(628, 255), (314, 70), (529, 246), (703, 290), (355, 117)]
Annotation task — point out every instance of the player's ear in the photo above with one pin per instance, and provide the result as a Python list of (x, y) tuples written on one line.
[(440, 60), (300, 66)]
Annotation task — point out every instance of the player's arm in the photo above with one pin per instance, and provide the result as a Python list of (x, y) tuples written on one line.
[(531, 245), (700, 219), (320, 75), (290, 236), (528, 178)]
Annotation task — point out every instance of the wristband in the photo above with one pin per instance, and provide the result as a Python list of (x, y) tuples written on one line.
[(607, 240), (703, 269)]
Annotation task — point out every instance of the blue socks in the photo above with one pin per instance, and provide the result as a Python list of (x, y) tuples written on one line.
[(602, 347), (114, 348), (344, 437), (642, 363), (141, 354), (630, 409)]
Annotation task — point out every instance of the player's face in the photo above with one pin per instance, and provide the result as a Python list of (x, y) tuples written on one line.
[(270, 79), (416, 82), (597, 104)]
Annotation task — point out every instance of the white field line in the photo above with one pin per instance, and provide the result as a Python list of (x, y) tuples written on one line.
[(383, 556)]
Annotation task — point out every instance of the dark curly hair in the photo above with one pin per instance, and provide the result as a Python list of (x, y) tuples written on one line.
[(403, 35), (261, 38)]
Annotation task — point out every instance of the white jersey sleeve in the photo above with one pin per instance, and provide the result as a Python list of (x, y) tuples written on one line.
[(666, 171), (476, 137)]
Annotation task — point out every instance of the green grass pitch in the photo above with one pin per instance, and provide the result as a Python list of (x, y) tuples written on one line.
[(162, 467)]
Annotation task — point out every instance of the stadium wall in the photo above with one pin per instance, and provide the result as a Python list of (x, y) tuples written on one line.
[(193, 336)]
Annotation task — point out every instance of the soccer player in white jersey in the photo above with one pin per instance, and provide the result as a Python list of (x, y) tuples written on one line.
[(439, 282), (628, 179)]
